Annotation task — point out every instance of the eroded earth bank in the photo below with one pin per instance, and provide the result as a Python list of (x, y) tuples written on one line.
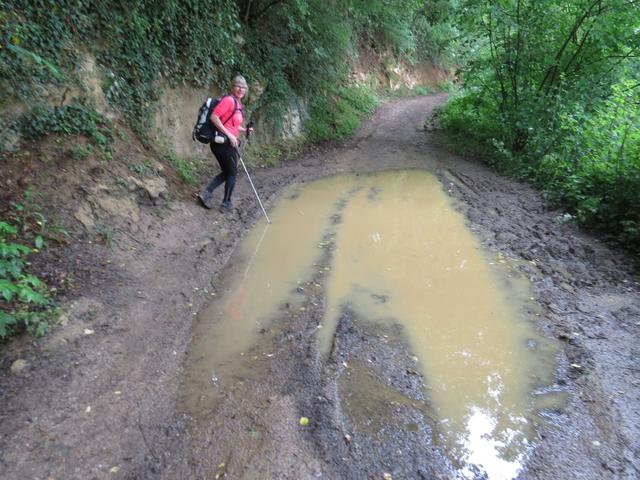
[(103, 395)]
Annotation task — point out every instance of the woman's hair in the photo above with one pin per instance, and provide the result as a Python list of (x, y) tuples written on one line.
[(239, 80)]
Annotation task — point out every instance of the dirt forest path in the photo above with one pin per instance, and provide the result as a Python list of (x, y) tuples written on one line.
[(106, 404)]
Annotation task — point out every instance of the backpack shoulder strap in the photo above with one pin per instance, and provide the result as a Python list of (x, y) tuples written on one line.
[(235, 108)]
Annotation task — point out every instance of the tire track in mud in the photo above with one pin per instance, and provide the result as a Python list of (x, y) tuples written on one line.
[(353, 437)]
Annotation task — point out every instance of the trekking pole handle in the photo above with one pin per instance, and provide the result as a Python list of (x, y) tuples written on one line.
[(249, 127)]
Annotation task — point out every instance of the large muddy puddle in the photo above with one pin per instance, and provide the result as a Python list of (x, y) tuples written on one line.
[(393, 249)]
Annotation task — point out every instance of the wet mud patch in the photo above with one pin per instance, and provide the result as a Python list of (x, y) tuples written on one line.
[(363, 250), (385, 415), (589, 301)]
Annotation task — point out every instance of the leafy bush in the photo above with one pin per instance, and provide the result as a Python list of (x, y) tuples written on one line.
[(68, 120), (552, 96), (26, 300), (188, 169), (587, 161), (338, 115), (420, 90), (594, 171), (271, 154)]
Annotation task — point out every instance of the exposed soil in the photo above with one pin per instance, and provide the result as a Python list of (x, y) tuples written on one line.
[(100, 395)]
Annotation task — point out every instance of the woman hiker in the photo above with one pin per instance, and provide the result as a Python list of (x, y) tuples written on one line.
[(227, 116)]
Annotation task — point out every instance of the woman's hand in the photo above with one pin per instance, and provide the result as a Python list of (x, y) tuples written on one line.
[(233, 140)]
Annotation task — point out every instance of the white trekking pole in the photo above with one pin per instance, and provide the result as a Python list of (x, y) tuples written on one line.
[(254, 188)]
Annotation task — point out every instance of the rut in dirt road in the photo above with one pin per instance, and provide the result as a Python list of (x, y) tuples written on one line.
[(370, 403)]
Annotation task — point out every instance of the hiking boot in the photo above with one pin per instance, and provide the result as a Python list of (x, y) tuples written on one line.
[(205, 198), (226, 206)]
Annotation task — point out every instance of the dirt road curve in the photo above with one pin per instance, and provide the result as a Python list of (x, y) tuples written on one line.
[(99, 397)]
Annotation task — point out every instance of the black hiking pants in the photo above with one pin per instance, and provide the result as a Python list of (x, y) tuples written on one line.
[(227, 157)]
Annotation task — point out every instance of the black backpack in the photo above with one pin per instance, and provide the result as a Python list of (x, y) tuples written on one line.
[(204, 130)]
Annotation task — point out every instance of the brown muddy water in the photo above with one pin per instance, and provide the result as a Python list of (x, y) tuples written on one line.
[(399, 253)]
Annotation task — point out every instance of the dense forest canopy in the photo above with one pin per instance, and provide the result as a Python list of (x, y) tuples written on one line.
[(552, 93)]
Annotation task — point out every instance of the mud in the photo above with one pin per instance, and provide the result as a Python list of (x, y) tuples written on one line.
[(110, 404)]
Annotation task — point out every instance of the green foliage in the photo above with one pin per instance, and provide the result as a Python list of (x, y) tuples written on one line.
[(144, 168), (383, 24), (80, 152), (273, 153), (26, 302), (25, 297), (137, 44), (338, 115), (551, 96), (435, 33), (472, 123), (594, 172), (67, 120), (420, 90), (33, 223), (188, 169)]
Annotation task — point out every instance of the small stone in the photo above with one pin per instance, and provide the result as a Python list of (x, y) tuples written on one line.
[(18, 366), (595, 443), (88, 331), (347, 438), (387, 476), (114, 469)]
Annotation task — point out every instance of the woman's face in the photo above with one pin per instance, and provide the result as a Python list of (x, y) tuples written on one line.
[(238, 90)]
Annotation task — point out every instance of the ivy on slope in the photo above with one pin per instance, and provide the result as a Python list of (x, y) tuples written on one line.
[(137, 42), (288, 48)]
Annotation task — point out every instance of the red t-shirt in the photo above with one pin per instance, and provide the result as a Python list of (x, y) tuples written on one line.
[(224, 111)]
